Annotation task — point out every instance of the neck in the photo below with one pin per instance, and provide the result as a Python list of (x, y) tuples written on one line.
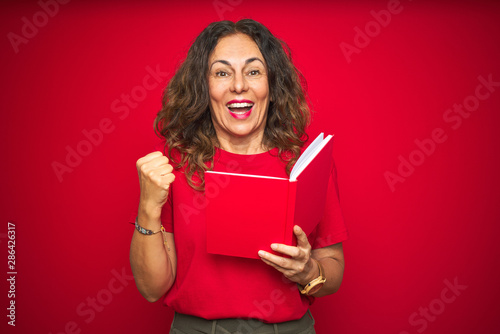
[(244, 146)]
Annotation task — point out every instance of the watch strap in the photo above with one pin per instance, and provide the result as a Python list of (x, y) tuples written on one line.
[(321, 279)]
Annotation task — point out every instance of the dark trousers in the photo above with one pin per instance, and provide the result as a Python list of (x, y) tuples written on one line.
[(187, 324)]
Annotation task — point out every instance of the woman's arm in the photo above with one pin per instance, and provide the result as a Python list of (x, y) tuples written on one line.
[(332, 260), (153, 261), (153, 264), (301, 269)]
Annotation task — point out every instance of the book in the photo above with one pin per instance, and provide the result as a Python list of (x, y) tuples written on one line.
[(236, 228)]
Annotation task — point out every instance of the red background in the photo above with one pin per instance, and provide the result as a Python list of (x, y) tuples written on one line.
[(441, 223)]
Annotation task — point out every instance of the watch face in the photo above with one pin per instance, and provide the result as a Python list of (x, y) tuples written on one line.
[(315, 288)]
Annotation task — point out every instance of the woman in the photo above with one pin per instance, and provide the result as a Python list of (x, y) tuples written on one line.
[(236, 102)]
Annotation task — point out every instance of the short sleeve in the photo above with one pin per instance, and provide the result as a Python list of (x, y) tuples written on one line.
[(331, 229)]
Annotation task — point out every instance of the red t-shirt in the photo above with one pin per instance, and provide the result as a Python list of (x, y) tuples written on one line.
[(218, 286)]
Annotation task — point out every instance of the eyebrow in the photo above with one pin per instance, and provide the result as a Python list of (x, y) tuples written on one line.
[(248, 61)]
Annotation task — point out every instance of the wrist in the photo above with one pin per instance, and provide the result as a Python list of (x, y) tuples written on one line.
[(146, 231), (312, 272), (148, 213), (148, 221)]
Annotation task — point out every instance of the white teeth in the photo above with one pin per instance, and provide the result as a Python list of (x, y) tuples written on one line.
[(240, 105)]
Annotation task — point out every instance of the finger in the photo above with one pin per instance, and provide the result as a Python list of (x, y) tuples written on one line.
[(168, 179), (288, 273), (286, 250), (151, 167), (279, 261), (149, 157), (275, 266), (164, 169), (302, 240), (157, 162), (162, 177)]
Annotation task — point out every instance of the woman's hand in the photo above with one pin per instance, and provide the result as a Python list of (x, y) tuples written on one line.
[(299, 268), (155, 177)]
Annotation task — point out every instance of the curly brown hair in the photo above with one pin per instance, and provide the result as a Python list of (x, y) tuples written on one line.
[(185, 121)]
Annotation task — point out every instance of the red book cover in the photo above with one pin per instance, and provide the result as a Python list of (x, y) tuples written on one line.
[(237, 229)]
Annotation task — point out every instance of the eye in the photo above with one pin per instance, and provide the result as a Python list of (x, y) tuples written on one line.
[(221, 74), (254, 72)]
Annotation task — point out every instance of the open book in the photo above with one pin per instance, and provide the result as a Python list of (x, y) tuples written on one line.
[(238, 229)]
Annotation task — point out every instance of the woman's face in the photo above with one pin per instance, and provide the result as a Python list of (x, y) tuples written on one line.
[(239, 92)]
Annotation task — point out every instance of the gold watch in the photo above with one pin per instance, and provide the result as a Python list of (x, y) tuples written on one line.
[(316, 284)]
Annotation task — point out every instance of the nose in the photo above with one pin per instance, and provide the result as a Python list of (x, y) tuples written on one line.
[(239, 83)]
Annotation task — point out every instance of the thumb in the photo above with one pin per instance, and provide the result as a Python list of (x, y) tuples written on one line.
[(302, 240)]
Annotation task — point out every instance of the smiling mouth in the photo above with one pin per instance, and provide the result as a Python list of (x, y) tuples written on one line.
[(239, 108)]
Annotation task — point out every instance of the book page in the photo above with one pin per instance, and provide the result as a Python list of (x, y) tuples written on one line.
[(303, 157), (308, 155)]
